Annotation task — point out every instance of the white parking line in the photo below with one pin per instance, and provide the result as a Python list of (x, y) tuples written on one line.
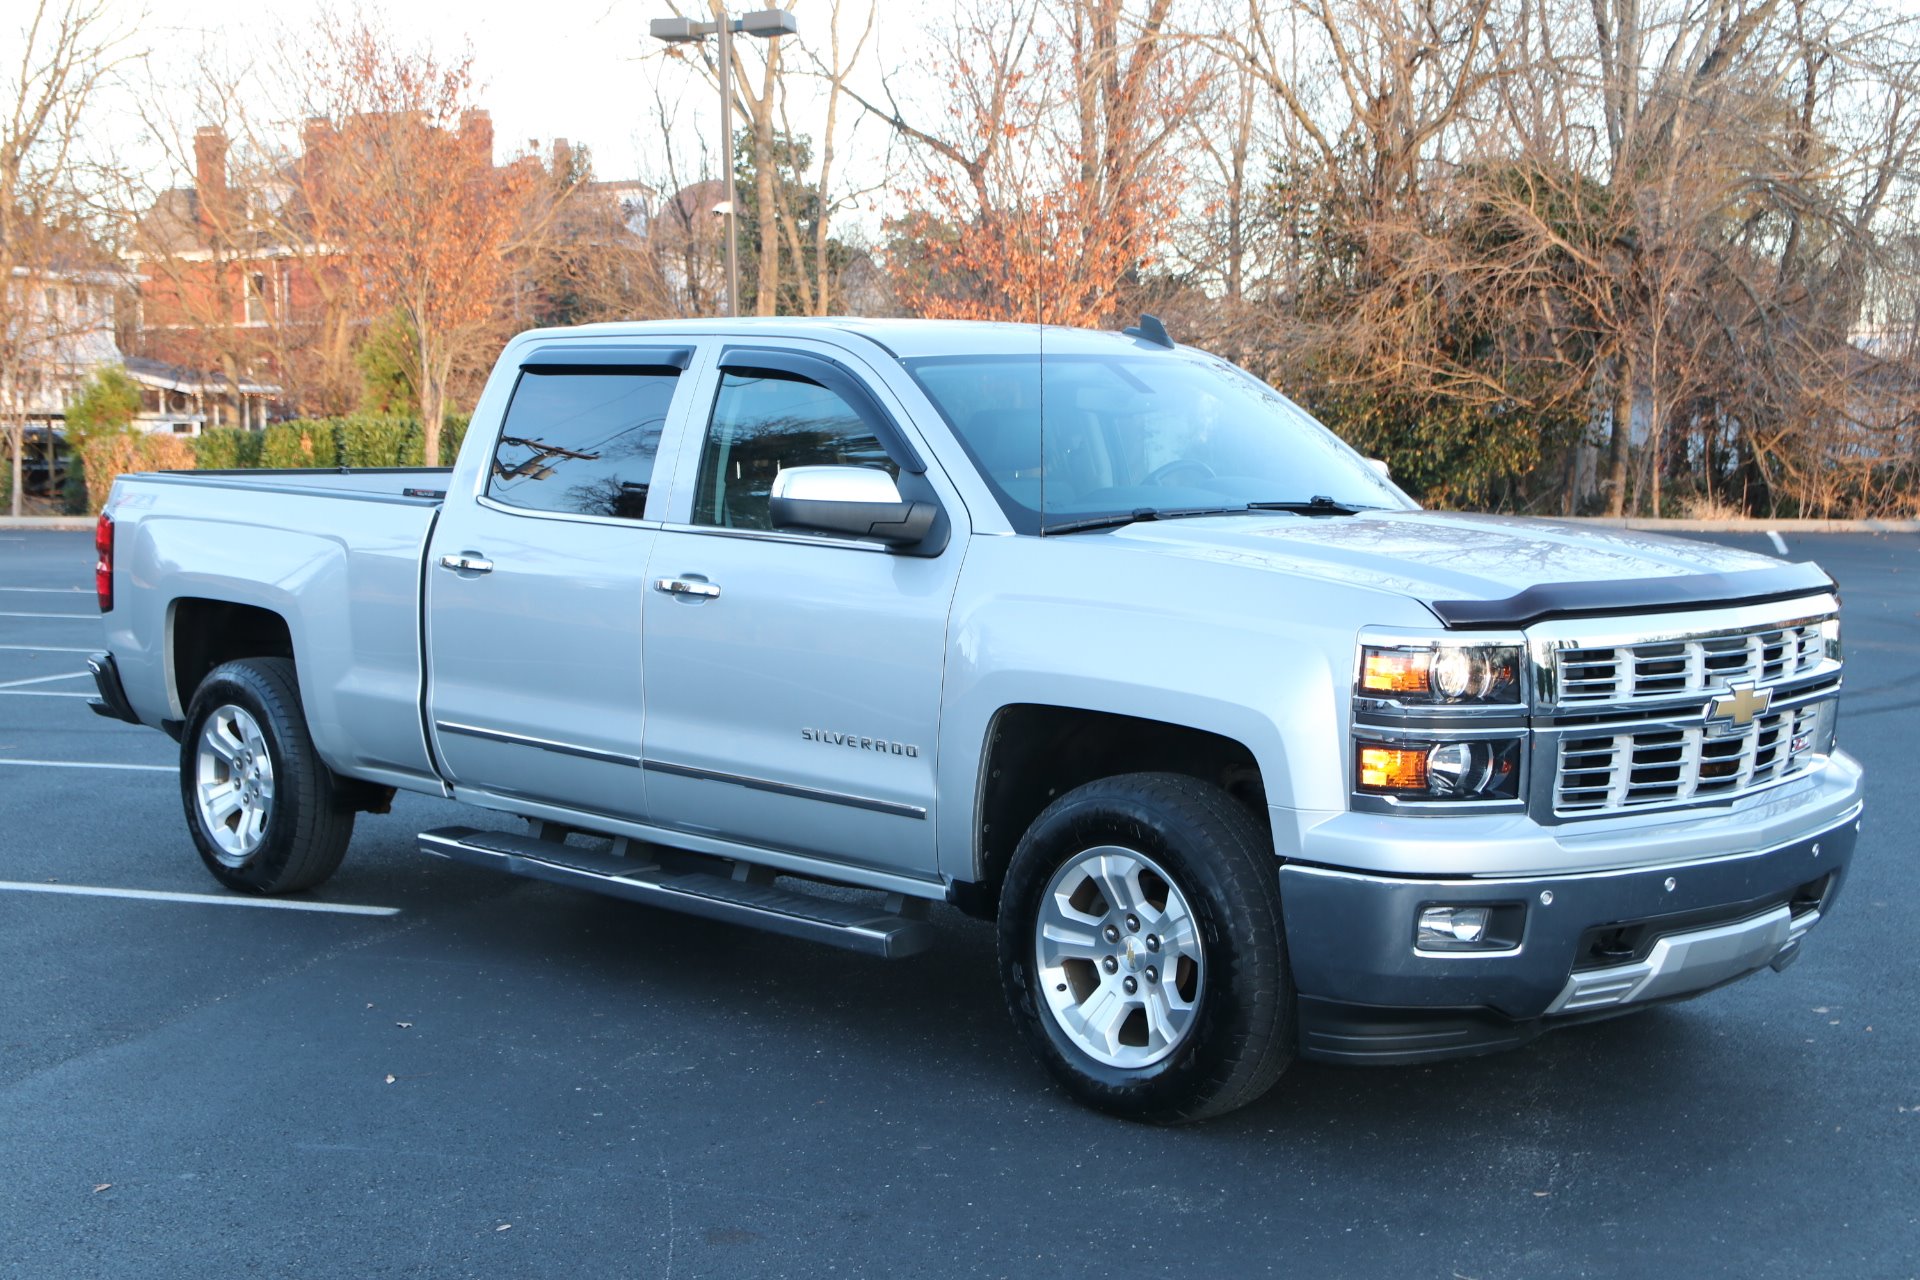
[(209, 899), (78, 617), (45, 648), (88, 764), (71, 675), (48, 591), (1779, 543), (40, 693)]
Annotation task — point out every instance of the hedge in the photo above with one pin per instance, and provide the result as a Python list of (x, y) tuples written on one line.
[(226, 449), (107, 458), (362, 440)]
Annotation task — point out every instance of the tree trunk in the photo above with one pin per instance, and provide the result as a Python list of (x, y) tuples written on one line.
[(766, 293), (17, 445), (1621, 441), (433, 399), (433, 412)]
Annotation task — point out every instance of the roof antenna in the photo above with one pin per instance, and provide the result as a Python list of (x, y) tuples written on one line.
[(1150, 330)]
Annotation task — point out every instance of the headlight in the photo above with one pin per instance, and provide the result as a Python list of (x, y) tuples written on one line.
[(1480, 769), (1442, 673)]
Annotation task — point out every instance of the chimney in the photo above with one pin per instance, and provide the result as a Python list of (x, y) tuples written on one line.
[(314, 133), (476, 130), (316, 142), (210, 174), (562, 160)]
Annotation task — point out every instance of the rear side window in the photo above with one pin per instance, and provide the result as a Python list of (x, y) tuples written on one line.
[(764, 423), (581, 441)]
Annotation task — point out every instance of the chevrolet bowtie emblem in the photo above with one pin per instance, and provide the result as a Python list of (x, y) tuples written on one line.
[(1740, 705)]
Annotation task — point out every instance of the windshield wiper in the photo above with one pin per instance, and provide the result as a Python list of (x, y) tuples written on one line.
[(1318, 505), (1139, 515)]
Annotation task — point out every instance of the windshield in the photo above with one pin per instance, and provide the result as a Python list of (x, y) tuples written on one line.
[(1070, 438)]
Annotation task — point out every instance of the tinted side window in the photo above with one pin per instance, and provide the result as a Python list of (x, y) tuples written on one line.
[(581, 442), (763, 424)]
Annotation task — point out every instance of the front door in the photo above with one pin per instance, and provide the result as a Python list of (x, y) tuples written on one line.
[(793, 680), (536, 585)]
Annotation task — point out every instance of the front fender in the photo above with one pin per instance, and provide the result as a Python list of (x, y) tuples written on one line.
[(1263, 659)]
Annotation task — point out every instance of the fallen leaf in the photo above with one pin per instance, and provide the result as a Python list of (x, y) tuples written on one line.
[(1821, 1009), (1539, 1194), (103, 1186), (505, 1226), (389, 1079), (403, 1024)]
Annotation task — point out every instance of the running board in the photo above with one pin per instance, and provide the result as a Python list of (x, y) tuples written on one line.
[(853, 926)]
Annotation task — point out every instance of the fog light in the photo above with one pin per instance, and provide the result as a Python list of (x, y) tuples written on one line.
[(1453, 928)]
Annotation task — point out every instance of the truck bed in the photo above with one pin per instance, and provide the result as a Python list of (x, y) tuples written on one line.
[(336, 554)]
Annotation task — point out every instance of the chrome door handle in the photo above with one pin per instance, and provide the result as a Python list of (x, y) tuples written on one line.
[(698, 587), (467, 562)]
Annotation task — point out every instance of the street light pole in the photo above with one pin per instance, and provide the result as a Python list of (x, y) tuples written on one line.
[(765, 23), (726, 151)]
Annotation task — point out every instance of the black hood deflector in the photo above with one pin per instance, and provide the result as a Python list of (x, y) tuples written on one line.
[(1634, 595)]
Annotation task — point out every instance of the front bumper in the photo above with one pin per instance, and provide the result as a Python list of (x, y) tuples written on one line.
[(1593, 944)]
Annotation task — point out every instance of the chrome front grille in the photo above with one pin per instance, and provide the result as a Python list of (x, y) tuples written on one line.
[(1641, 767), (1631, 673)]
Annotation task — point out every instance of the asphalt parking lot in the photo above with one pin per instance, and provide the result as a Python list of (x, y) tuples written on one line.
[(501, 1077)]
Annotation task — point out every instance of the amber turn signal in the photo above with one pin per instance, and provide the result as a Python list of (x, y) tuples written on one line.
[(1395, 670), (1393, 768)]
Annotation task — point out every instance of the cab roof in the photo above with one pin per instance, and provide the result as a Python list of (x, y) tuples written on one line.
[(905, 339)]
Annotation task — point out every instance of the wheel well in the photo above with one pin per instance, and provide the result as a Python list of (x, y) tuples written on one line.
[(207, 633), (1037, 753)]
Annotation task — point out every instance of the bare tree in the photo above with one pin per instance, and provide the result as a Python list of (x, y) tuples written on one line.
[(1049, 182), (49, 200), (412, 205)]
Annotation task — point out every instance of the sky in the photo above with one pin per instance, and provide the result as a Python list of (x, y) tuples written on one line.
[(556, 68)]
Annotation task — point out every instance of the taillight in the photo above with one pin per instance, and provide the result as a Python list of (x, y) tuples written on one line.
[(103, 565)]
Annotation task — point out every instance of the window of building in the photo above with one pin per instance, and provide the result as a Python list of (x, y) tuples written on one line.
[(256, 297)]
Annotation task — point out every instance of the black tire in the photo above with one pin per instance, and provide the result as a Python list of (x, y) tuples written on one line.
[(308, 821), (1242, 1032)]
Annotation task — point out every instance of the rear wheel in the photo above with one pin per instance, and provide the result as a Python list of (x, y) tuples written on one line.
[(1141, 949), (266, 813)]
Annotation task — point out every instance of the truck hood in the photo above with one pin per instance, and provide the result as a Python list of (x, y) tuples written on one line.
[(1484, 571)]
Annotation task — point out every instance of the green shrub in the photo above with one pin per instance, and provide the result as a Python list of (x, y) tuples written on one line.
[(306, 442), (107, 403), (367, 441), (280, 446), (452, 431), (219, 448)]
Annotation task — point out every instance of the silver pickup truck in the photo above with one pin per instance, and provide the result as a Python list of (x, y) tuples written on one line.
[(1088, 634)]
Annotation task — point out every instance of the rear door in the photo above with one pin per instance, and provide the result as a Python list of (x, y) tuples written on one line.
[(535, 586)]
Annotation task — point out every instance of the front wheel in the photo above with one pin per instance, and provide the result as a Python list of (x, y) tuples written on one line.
[(265, 811), (1142, 951)]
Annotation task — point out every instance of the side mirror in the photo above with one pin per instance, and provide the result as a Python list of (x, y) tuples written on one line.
[(1380, 468), (857, 501)]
